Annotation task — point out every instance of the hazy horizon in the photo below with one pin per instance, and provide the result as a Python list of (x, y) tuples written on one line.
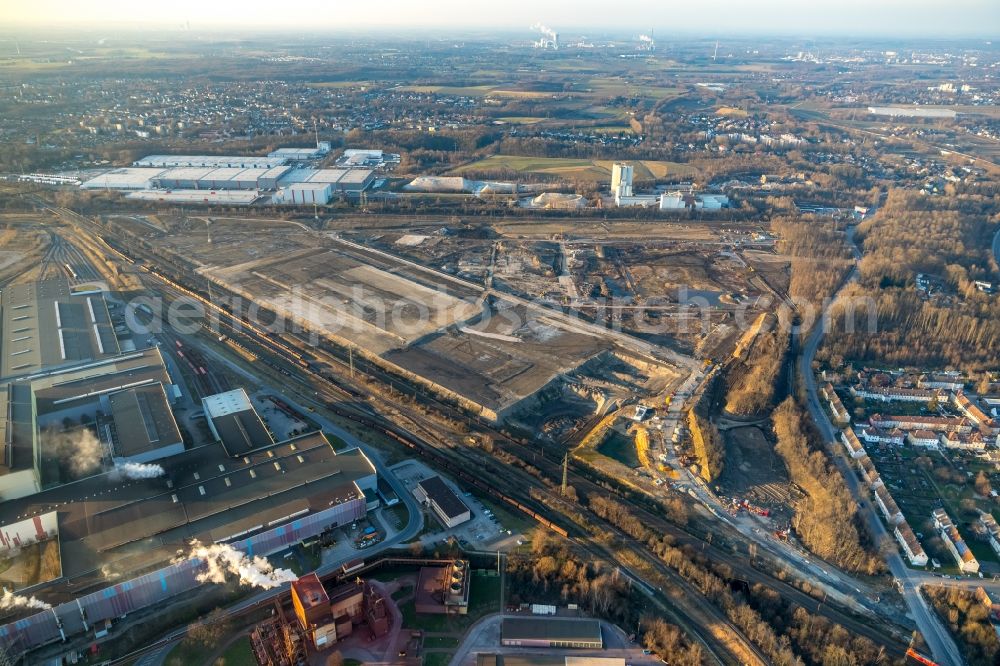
[(888, 19)]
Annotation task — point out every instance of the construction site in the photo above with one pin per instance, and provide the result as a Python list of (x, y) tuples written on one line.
[(680, 291), (494, 353)]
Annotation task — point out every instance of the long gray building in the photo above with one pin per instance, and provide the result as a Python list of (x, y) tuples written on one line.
[(213, 161)]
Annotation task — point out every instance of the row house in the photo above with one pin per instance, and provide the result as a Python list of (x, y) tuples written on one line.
[(946, 382), (911, 545), (973, 411), (873, 435), (937, 423), (888, 506), (852, 443), (923, 438), (989, 525), (893, 394), (868, 472), (959, 550), (840, 413)]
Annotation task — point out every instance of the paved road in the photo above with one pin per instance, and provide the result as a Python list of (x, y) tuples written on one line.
[(412, 528), (941, 644), (996, 246), (484, 637)]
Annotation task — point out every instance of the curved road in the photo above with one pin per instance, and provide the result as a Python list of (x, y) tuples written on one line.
[(938, 639), (996, 246)]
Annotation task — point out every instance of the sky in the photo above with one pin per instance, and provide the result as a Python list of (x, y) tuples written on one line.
[(888, 18)]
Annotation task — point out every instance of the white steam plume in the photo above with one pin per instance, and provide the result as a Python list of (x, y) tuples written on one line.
[(10, 601), (222, 559), (131, 470), (545, 30), (78, 450)]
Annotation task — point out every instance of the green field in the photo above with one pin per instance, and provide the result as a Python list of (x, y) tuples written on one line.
[(575, 169), (521, 120), (238, 654), (468, 91), (340, 84), (615, 86)]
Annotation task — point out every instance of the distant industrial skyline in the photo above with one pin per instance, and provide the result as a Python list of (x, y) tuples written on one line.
[(886, 18)]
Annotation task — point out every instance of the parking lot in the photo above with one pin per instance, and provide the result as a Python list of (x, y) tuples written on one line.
[(483, 531)]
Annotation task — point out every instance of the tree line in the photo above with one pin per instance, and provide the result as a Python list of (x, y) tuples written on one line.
[(553, 572), (886, 318), (752, 382), (826, 517), (786, 633)]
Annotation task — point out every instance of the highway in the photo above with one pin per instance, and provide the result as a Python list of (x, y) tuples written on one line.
[(940, 642)]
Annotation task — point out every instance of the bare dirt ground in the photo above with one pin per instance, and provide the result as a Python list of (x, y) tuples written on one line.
[(753, 469)]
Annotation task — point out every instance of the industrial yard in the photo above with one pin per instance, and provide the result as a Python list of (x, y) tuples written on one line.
[(498, 354), (322, 349)]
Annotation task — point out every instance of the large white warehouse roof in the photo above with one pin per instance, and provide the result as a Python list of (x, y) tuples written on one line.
[(127, 178), (217, 161)]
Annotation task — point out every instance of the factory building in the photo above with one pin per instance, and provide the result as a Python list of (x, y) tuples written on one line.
[(301, 154), (242, 181), (321, 619), (235, 423), (224, 178), (346, 181), (443, 590), (210, 161), (129, 178), (259, 504), (621, 180), (445, 504), (216, 197), (61, 365), (301, 194), (312, 609), (484, 659), (551, 632), (354, 158)]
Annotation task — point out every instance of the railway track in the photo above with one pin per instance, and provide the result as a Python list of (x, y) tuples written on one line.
[(693, 621), (550, 464)]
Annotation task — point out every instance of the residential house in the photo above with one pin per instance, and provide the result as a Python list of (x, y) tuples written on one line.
[(973, 411), (923, 438), (966, 561), (941, 381), (904, 422), (868, 472), (911, 546), (852, 443), (989, 524), (965, 442), (893, 394), (840, 413), (888, 506), (873, 435)]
